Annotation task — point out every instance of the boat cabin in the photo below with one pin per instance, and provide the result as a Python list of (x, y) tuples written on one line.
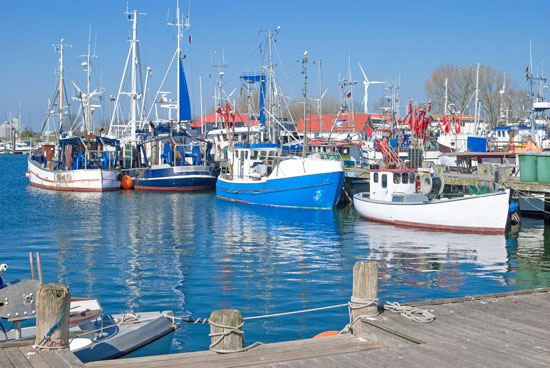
[(254, 161), (393, 185), (80, 152)]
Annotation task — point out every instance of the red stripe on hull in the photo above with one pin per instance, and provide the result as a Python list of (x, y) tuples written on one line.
[(174, 189), (75, 189), (461, 229)]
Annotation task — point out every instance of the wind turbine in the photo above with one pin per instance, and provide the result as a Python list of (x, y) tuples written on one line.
[(367, 83)]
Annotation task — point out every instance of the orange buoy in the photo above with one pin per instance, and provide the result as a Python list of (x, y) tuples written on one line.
[(326, 333), (126, 182), (28, 175)]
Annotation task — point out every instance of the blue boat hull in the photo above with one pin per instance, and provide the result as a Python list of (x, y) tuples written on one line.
[(195, 178), (320, 191)]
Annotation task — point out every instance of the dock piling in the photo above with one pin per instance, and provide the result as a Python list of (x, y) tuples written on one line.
[(226, 334), (364, 299), (52, 315)]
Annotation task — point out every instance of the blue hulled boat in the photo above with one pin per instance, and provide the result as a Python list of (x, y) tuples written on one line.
[(259, 175), (170, 159)]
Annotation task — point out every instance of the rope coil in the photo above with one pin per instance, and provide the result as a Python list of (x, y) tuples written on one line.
[(414, 314)]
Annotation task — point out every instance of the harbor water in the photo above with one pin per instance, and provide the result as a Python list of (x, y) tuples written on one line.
[(193, 253)]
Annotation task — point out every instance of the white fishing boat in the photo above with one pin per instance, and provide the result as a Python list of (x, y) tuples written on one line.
[(393, 199), (85, 163)]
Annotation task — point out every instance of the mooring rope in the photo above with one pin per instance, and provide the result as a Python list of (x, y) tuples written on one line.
[(40, 344), (226, 331)]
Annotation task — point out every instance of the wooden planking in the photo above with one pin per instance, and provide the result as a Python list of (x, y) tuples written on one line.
[(53, 359), (35, 358), (17, 358), (69, 358), (264, 354), (5, 362)]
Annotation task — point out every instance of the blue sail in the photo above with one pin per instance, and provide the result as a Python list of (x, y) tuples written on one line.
[(185, 104)]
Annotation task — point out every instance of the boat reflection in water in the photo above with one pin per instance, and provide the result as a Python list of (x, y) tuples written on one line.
[(451, 262)]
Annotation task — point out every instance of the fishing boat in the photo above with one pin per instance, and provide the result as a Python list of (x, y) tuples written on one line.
[(393, 199), (86, 163), (184, 160), (260, 175), (177, 162), (164, 156), (93, 335)]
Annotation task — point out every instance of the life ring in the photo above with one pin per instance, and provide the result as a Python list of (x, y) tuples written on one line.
[(326, 333)]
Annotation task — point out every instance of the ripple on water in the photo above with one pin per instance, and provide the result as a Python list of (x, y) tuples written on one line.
[(193, 253)]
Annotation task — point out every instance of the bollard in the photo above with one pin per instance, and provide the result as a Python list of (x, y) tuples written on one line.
[(365, 289), (226, 333), (53, 302)]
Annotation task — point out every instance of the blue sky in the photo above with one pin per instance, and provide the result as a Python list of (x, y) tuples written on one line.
[(391, 39)]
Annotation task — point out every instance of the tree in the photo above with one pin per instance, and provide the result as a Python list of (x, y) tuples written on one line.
[(497, 91)]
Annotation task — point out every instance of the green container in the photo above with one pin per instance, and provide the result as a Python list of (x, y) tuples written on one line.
[(543, 167), (527, 167)]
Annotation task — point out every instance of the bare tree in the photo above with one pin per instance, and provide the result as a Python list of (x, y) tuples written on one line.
[(497, 91)]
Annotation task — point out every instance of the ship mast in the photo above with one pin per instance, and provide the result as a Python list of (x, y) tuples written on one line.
[(180, 26), (59, 48)]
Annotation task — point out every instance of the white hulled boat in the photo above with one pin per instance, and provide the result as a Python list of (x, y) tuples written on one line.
[(393, 199), (86, 163)]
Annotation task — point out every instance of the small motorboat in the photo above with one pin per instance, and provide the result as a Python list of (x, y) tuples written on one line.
[(393, 199), (93, 335)]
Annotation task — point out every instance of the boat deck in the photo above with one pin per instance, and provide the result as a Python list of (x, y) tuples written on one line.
[(500, 330), (23, 355)]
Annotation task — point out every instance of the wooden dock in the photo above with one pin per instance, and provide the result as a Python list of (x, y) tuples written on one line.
[(23, 355), (499, 330)]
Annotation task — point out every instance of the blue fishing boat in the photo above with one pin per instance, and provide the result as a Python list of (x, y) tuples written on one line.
[(176, 161), (260, 175)]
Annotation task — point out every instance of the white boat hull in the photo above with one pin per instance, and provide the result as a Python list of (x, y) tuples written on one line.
[(487, 213), (84, 180)]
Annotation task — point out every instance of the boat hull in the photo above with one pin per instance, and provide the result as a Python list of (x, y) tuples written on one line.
[(487, 213), (178, 178), (153, 336), (320, 191), (83, 180)]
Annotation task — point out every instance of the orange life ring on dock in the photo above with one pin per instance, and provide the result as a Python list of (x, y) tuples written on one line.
[(326, 333)]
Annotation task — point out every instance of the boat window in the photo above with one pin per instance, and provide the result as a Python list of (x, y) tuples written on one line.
[(254, 155), (397, 178), (405, 178), (263, 154), (246, 155), (411, 178), (376, 177), (384, 181)]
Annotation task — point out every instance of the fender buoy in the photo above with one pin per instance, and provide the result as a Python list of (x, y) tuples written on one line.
[(28, 175), (126, 182), (326, 333)]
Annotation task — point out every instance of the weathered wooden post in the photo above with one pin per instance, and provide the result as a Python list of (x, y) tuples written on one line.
[(226, 332), (53, 302), (364, 299)]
